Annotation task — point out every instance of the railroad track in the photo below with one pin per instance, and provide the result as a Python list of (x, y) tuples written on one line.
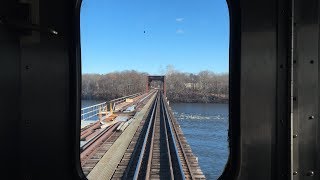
[(157, 151), (100, 142), (92, 152), (190, 163), (134, 146)]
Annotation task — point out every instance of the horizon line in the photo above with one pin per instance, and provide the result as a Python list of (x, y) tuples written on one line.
[(119, 71)]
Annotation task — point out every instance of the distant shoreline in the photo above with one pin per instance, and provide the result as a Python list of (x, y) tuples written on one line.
[(204, 102), (220, 101), (181, 87)]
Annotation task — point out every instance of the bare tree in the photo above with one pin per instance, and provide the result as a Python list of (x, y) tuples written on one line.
[(205, 86)]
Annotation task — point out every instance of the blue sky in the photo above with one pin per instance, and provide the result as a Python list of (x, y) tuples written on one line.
[(148, 35)]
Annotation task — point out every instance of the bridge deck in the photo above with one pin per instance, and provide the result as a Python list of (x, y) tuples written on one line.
[(152, 146)]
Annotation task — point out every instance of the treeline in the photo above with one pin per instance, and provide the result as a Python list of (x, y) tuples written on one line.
[(112, 85), (206, 86)]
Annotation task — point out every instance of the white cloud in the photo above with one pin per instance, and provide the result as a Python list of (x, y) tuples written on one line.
[(180, 31), (179, 19)]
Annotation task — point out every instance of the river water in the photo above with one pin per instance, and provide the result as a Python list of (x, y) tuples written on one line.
[(206, 128)]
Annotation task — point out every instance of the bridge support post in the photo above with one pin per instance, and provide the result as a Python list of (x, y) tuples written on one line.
[(100, 114), (111, 108)]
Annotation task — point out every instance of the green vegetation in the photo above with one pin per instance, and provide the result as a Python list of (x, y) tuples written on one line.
[(205, 86)]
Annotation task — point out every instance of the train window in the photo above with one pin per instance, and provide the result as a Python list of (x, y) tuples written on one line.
[(155, 88)]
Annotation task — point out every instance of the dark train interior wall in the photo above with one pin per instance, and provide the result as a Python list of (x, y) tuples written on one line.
[(9, 92), (40, 89), (36, 54)]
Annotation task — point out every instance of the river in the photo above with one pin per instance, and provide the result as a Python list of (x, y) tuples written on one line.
[(206, 128)]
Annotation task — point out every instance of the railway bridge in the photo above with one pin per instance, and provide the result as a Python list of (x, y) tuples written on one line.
[(135, 137)]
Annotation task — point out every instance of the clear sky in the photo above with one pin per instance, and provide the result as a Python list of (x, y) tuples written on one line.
[(148, 35)]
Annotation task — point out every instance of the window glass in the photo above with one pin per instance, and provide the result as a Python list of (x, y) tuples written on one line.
[(187, 41)]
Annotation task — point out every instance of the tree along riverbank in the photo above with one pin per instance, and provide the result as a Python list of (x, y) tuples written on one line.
[(203, 87)]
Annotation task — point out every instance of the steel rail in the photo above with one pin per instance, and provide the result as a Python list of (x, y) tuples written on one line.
[(137, 170), (132, 95), (175, 143), (131, 161), (167, 140), (97, 137), (161, 116), (89, 130), (151, 144)]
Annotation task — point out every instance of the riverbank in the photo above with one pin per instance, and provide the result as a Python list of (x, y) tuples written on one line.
[(203, 99), (197, 98)]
